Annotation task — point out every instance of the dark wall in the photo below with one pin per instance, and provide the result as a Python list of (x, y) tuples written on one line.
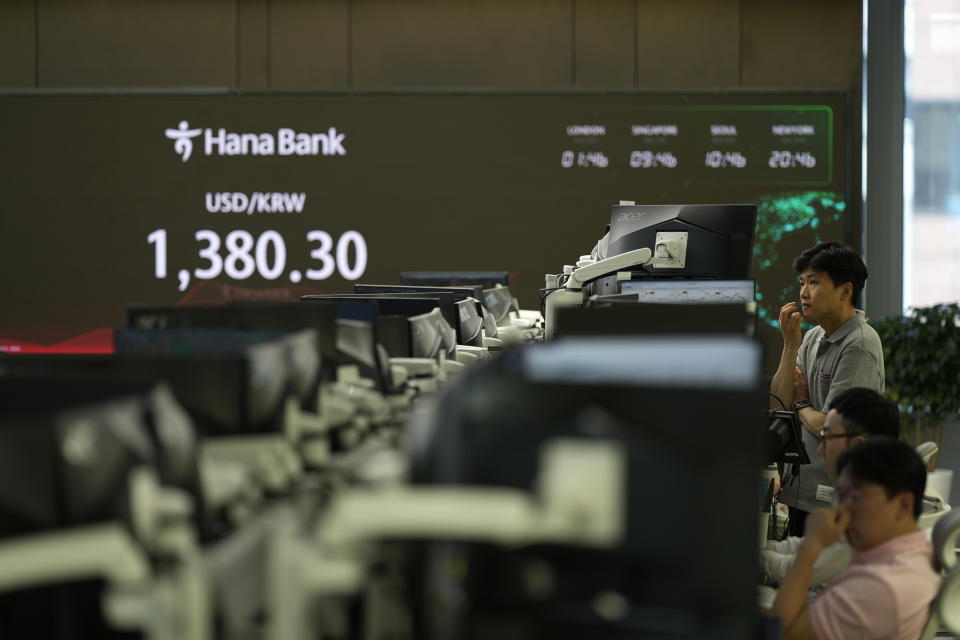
[(336, 44)]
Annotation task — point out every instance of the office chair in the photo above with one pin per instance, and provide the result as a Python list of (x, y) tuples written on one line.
[(945, 609), (934, 506)]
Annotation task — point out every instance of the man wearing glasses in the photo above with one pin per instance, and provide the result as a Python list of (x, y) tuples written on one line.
[(855, 415), (887, 588), (842, 352)]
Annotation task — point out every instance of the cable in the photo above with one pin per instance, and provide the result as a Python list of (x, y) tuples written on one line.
[(794, 474), (543, 298), (772, 394), (547, 291)]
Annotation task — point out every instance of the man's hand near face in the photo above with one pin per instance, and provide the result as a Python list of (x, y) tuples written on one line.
[(790, 321), (782, 384), (824, 527)]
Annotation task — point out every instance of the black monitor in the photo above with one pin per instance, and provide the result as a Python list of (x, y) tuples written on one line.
[(448, 297), (470, 317), (482, 279), (623, 318), (719, 240), (271, 317), (783, 439), (401, 335), (430, 335), (459, 291), (357, 336), (273, 373), (697, 292), (393, 332), (413, 304), (427, 330), (67, 447), (224, 395), (690, 435), (499, 302)]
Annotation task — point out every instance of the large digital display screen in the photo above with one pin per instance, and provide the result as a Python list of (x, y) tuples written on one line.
[(113, 200)]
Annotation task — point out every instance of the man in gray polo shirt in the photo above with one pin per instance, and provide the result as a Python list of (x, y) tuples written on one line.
[(842, 352)]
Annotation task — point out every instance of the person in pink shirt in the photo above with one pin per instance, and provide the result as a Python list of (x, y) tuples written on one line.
[(890, 582)]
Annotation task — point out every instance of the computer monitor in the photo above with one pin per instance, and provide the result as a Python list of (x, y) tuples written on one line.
[(783, 439), (698, 292), (459, 291), (448, 297), (471, 323), (622, 318), (718, 237), (393, 335), (499, 302), (273, 373), (693, 455), (482, 279), (66, 449), (271, 317), (357, 336), (430, 334), (223, 394), (413, 304), (356, 342)]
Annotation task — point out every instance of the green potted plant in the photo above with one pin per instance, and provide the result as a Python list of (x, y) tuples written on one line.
[(921, 354)]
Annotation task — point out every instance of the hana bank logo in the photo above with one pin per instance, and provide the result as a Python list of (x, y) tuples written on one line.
[(286, 142), (183, 139)]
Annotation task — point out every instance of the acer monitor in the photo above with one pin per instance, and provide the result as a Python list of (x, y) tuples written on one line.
[(717, 241)]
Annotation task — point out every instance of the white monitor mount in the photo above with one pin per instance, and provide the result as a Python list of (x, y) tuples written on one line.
[(635, 258)]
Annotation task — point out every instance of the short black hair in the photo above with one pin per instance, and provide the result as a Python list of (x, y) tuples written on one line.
[(892, 464), (838, 261), (866, 412)]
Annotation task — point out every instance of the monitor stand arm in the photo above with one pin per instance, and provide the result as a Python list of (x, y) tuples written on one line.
[(635, 258), (571, 295)]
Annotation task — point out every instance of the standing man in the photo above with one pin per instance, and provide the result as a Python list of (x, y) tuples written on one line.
[(842, 352)]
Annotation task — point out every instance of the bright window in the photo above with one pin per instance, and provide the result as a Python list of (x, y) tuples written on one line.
[(932, 153)]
